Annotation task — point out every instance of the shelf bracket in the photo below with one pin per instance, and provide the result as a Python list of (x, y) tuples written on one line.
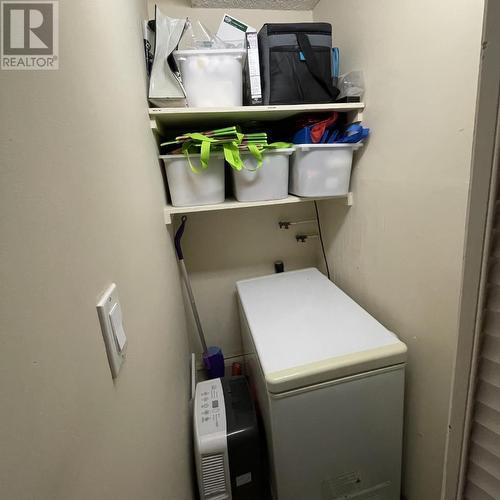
[(167, 216), (302, 238), (355, 116), (285, 224), (347, 199)]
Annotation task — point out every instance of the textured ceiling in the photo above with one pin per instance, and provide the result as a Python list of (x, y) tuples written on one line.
[(257, 4)]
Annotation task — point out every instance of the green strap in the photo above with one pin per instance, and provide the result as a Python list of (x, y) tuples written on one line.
[(205, 154), (279, 145), (188, 147), (185, 152), (257, 154), (231, 146), (257, 151), (232, 155)]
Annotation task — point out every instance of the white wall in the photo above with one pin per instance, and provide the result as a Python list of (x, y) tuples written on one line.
[(398, 250), (81, 200), (223, 247)]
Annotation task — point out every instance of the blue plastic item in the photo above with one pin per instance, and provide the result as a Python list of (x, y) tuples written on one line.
[(335, 62), (330, 134), (353, 133), (213, 361), (302, 136)]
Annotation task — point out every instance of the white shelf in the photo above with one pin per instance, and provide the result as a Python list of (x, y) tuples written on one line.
[(170, 211), (181, 117)]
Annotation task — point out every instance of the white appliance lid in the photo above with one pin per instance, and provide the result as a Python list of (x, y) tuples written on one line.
[(306, 330)]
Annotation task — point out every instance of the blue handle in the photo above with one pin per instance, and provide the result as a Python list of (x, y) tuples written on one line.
[(178, 236), (335, 62)]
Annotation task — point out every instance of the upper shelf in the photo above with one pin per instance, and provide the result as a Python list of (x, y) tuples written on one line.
[(182, 117)]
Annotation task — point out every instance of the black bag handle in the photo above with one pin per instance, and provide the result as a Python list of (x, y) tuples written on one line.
[(312, 65)]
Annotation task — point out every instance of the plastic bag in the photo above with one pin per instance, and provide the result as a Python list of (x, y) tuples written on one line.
[(165, 88), (197, 36), (352, 84)]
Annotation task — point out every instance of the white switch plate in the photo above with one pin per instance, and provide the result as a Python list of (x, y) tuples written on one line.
[(110, 318)]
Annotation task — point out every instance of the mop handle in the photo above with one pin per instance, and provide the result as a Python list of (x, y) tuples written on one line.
[(193, 305), (178, 250)]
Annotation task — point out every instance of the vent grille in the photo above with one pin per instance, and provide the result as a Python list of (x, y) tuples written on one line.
[(483, 475), (213, 477)]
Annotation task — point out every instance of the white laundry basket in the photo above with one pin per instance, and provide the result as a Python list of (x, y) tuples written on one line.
[(212, 77), (269, 182), (188, 188), (321, 169)]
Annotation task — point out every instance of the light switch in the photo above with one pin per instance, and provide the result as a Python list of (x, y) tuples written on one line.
[(111, 321), (115, 317)]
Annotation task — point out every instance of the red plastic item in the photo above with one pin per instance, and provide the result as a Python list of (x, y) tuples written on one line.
[(318, 129), (235, 369)]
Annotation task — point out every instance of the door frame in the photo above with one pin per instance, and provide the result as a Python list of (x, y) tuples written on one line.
[(481, 196)]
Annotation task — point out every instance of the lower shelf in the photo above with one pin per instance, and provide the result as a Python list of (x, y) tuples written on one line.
[(170, 211)]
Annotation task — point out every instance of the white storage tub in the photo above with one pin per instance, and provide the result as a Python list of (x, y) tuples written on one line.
[(188, 188), (212, 77), (321, 169), (269, 182)]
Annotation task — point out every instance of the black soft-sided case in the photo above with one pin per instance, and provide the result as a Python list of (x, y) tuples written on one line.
[(296, 63)]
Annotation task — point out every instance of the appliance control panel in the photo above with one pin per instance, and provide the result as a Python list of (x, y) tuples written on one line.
[(209, 407)]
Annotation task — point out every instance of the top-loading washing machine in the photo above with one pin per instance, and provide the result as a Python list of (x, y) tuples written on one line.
[(329, 381)]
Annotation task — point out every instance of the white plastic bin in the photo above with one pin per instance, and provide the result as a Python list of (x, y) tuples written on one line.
[(212, 77), (188, 188), (269, 182), (321, 169)]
